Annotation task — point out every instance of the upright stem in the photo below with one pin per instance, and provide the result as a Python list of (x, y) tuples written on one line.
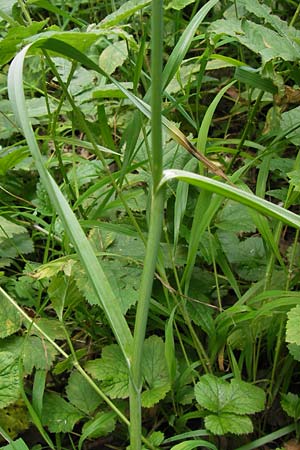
[(155, 227)]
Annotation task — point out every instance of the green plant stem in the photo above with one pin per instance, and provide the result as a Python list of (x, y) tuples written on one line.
[(246, 129), (25, 12), (295, 16), (155, 227)]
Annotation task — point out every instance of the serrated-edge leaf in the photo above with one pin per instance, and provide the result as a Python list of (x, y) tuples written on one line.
[(292, 326), (228, 423)]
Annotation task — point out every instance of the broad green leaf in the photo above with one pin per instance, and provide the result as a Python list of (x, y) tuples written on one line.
[(201, 315), (156, 438), (111, 91), (289, 120), (126, 10), (52, 268), (59, 415), (237, 397), (63, 292), (7, 5), (9, 229), (14, 419), (112, 370), (152, 396), (52, 327), (113, 56), (19, 444), (248, 256), (268, 43), (101, 425), (179, 4), (292, 326), (190, 445), (122, 276), (9, 44), (10, 318), (37, 353), (155, 371), (81, 394), (9, 379), (235, 217), (294, 350), (228, 423), (9, 160), (294, 177), (291, 405)]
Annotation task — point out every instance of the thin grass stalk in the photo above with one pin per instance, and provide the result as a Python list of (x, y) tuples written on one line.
[(155, 227)]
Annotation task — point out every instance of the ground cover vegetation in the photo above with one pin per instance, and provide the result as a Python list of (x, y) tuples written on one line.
[(149, 290)]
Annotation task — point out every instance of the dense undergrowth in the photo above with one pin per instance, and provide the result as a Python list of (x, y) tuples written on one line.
[(149, 279)]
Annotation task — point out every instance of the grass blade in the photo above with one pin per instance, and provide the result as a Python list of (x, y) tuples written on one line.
[(232, 192), (72, 227)]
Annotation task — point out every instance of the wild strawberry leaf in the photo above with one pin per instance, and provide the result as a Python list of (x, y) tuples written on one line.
[(81, 394), (9, 379), (292, 326), (59, 415), (236, 397), (9, 317), (291, 405), (37, 353), (228, 423), (112, 370)]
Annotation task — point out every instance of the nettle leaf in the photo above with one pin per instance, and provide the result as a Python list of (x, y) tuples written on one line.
[(10, 318), (123, 278), (248, 255), (9, 379), (37, 353), (113, 56), (14, 239), (112, 370), (155, 371), (9, 45), (236, 397), (59, 415), (201, 315), (292, 326), (228, 423), (81, 394), (235, 217), (291, 405)]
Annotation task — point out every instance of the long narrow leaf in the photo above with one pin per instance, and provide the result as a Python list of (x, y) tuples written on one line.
[(72, 227), (225, 190)]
